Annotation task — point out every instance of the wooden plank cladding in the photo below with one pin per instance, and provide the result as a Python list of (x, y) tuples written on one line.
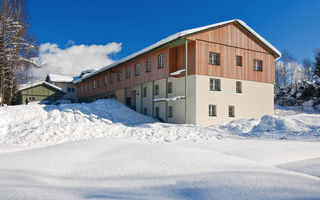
[(143, 77), (230, 41), (227, 41)]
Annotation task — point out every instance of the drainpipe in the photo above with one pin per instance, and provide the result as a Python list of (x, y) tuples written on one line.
[(186, 83), (152, 99), (141, 98), (166, 103)]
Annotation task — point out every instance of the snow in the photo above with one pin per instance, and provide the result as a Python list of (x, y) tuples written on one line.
[(29, 85), (177, 72), (104, 150), (178, 35), (60, 78), (169, 99)]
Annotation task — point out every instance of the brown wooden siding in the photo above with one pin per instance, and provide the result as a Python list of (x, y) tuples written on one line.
[(144, 77), (229, 41)]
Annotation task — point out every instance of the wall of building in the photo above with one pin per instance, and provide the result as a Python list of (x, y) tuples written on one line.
[(231, 41), (255, 100), (69, 95)]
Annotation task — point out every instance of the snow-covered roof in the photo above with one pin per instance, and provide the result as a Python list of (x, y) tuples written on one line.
[(179, 35), (29, 85), (60, 78)]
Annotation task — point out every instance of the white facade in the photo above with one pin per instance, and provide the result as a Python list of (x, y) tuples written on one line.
[(255, 100), (70, 89)]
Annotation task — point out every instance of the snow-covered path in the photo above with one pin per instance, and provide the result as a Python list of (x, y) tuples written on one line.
[(104, 150)]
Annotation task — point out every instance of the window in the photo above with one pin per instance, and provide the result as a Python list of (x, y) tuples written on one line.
[(170, 114), (148, 65), (81, 89), (170, 87), (73, 89), (105, 80), (160, 61), (231, 111), (238, 87), (214, 58), (215, 84), (89, 85), (137, 69), (145, 92), (156, 90), (127, 72), (238, 60), (69, 89), (257, 65), (119, 75), (145, 111), (212, 110), (157, 112), (111, 77), (99, 82), (94, 84)]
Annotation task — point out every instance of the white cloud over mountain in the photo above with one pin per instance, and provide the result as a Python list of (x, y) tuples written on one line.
[(73, 59)]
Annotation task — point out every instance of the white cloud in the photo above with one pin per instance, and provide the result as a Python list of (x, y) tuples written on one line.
[(73, 59)]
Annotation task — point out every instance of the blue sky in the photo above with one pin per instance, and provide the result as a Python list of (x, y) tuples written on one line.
[(287, 24)]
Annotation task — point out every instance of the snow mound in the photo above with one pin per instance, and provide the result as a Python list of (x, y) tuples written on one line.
[(36, 124)]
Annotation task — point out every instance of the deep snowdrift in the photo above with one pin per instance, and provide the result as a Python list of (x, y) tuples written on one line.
[(222, 164), (54, 124), (130, 169)]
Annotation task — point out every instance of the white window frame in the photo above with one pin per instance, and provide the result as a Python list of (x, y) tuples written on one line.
[(215, 84), (156, 89), (160, 60), (137, 69), (212, 110), (127, 72), (170, 87), (148, 65), (231, 110), (257, 65), (170, 112), (238, 87), (214, 58)]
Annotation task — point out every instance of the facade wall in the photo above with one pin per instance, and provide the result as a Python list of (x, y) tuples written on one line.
[(231, 41), (73, 96), (255, 100), (228, 41)]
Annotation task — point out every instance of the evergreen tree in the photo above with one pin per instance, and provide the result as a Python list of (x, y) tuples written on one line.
[(316, 72)]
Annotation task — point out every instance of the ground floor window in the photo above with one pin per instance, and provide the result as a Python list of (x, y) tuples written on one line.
[(145, 111), (156, 113), (212, 110), (170, 114), (231, 111)]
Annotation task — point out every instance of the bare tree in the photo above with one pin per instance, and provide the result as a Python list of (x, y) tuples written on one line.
[(307, 64), (16, 46)]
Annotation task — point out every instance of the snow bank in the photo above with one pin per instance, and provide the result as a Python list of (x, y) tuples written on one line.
[(127, 169), (36, 124)]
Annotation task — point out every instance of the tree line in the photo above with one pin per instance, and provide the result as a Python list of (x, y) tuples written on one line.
[(17, 47), (288, 71)]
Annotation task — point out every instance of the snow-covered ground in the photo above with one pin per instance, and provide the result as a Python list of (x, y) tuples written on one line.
[(104, 150)]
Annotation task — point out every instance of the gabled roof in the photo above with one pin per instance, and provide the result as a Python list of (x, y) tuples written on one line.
[(60, 78), (183, 34), (30, 85)]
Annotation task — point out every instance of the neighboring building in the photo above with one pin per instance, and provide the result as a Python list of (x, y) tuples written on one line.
[(230, 75), (39, 92), (66, 83)]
